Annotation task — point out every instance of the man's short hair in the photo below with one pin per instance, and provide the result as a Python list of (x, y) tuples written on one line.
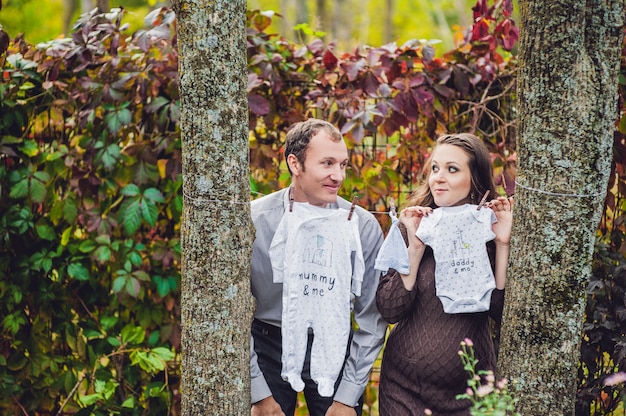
[(301, 133)]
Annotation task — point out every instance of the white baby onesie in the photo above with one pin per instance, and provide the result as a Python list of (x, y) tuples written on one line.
[(312, 255), (458, 236), (393, 253)]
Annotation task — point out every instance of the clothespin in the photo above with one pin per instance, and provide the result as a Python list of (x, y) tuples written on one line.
[(352, 208), (392, 208), (290, 199), (482, 201)]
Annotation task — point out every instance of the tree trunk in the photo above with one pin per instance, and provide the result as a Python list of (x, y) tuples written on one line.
[(216, 230), (342, 22), (69, 7), (389, 35), (322, 16), (86, 6), (103, 6), (287, 22), (302, 16), (569, 55)]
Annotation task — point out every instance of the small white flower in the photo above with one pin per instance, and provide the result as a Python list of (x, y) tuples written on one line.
[(484, 390)]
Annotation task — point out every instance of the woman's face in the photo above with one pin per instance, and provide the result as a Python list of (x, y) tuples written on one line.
[(450, 179)]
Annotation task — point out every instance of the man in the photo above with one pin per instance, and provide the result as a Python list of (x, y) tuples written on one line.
[(317, 158)]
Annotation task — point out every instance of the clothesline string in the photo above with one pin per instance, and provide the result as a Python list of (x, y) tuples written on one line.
[(528, 188), (541, 191)]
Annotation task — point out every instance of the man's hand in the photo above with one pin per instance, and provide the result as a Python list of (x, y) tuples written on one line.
[(340, 409), (266, 407)]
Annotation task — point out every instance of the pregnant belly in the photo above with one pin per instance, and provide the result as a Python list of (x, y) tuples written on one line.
[(433, 357)]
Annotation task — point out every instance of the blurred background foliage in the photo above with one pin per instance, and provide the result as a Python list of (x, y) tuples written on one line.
[(356, 22), (43, 20), (347, 22)]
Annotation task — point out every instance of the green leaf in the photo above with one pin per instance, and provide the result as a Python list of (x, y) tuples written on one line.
[(155, 104), (174, 112), (119, 283), (173, 283), (164, 353), (78, 271), (27, 86), (70, 209), (148, 362), (19, 190), (156, 390), (133, 287), (38, 191), (108, 322), (10, 140), (91, 333), (135, 258), (114, 342), (87, 246), (45, 232), (146, 172), (56, 211), (131, 190), (125, 116), (103, 239), (46, 265), (65, 237), (90, 399), (149, 212), (155, 361), (154, 337), (131, 215), (30, 148), (133, 334), (110, 156), (42, 176), (103, 254), (116, 119), (129, 403), (162, 285), (141, 275), (153, 195)]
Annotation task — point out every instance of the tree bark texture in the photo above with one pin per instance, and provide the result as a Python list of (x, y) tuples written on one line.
[(216, 230), (103, 6), (569, 55)]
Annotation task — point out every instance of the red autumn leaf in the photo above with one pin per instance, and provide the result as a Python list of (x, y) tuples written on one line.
[(353, 68), (330, 61), (370, 85), (480, 30), (508, 34), (422, 95), (507, 8), (428, 53), (258, 105), (417, 80), (481, 9)]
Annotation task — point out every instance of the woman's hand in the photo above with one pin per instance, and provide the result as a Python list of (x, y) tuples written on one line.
[(503, 208), (411, 218)]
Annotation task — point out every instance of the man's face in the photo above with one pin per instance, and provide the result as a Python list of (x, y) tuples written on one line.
[(324, 170)]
